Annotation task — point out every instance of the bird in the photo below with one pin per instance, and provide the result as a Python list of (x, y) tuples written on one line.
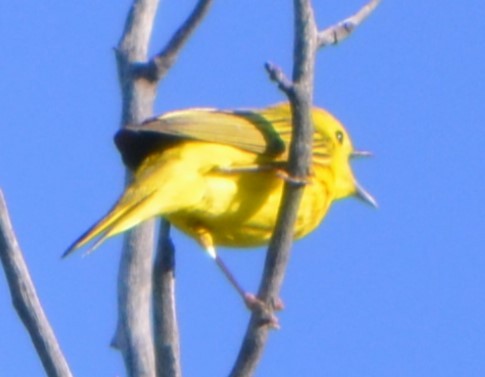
[(218, 176)]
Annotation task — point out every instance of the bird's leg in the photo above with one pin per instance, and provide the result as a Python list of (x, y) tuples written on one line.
[(206, 241), (296, 181), (252, 302), (277, 167), (256, 168)]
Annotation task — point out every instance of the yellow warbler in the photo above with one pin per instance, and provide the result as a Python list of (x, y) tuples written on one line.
[(217, 175)]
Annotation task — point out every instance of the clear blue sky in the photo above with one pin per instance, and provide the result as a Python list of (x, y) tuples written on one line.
[(398, 291)]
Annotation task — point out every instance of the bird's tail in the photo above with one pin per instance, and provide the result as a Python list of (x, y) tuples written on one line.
[(124, 215)]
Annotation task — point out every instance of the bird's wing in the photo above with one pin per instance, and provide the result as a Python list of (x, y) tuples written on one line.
[(247, 130)]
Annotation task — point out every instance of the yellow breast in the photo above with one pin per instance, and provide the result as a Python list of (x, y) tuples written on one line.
[(239, 209)]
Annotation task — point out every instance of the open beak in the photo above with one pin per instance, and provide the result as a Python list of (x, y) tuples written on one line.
[(362, 194), (359, 154)]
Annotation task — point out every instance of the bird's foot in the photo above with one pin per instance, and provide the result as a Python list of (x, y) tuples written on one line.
[(266, 311), (297, 181)]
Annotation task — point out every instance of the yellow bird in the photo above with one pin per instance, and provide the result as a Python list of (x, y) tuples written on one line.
[(218, 175)]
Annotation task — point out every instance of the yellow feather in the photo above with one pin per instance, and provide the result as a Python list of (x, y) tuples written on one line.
[(221, 189)]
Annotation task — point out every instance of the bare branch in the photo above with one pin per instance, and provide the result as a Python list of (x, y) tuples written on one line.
[(134, 333), (277, 257), (300, 94), (138, 30), (338, 32), (137, 95), (300, 149), (277, 75), (26, 301), (165, 319), (138, 81), (161, 63)]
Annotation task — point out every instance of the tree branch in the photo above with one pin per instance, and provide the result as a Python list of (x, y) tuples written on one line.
[(338, 32), (139, 81), (163, 61), (278, 76), (26, 301), (165, 317), (133, 333), (300, 94)]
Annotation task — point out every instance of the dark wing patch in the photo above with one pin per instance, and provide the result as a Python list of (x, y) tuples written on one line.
[(134, 146), (243, 129)]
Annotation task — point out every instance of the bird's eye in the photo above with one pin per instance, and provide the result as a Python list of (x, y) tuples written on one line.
[(340, 136)]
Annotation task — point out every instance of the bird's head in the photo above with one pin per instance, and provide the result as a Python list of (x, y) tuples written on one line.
[(340, 150)]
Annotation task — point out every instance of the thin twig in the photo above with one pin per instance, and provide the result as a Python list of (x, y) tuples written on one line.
[(162, 62), (338, 32), (300, 94), (26, 301), (278, 76), (165, 317)]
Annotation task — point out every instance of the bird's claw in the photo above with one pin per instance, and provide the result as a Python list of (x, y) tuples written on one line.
[(297, 181), (254, 304)]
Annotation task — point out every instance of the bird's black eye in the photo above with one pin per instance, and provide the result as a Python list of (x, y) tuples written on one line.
[(340, 136)]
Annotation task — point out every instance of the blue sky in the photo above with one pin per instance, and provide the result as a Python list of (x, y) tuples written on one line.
[(398, 291)]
